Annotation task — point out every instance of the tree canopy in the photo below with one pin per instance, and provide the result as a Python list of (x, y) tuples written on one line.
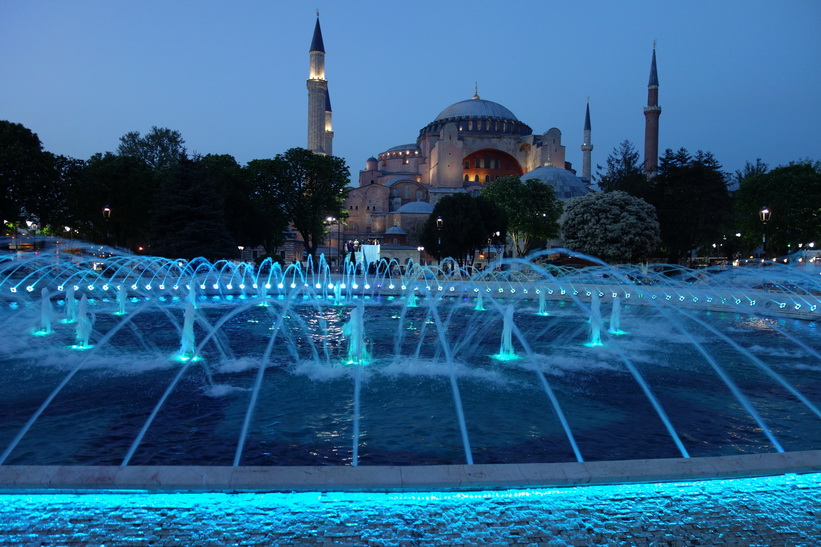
[(188, 218), (159, 149), (27, 174), (467, 224), (613, 226), (792, 193), (531, 208), (310, 188), (692, 201), (624, 171)]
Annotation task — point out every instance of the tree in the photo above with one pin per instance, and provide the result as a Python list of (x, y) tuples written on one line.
[(313, 188), (692, 202), (531, 207), (467, 223), (624, 172), (159, 149), (188, 219), (231, 181), (613, 226), (27, 174), (793, 195), (268, 192), (128, 187)]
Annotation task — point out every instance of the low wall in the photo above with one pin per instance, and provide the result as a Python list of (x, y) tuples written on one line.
[(401, 478)]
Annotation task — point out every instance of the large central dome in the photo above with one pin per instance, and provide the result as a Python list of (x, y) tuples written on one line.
[(476, 108)]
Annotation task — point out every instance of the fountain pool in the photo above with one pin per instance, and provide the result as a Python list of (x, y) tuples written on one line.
[(198, 364)]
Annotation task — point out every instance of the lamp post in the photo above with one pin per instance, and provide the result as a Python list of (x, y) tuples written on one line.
[(439, 223), (241, 251), (764, 214), (421, 250), (106, 216), (329, 220)]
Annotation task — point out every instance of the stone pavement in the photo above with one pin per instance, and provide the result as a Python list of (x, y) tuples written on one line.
[(779, 510)]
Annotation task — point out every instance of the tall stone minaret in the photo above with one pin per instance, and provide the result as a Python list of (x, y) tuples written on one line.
[(329, 126), (317, 93), (587, 146), (651, 124)]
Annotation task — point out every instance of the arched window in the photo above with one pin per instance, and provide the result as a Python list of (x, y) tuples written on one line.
[(467, 177), (476, 178), (487, 178)]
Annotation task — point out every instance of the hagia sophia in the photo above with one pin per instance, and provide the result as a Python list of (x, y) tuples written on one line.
[(468, 144)]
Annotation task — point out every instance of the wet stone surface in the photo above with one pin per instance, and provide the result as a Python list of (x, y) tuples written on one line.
[(781, 510)]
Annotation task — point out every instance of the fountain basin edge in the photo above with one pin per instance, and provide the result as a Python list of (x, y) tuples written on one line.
[(36, 478)]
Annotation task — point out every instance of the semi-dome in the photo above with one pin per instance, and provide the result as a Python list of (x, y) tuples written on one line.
[(566, 184), (476, 108), (416, 207)]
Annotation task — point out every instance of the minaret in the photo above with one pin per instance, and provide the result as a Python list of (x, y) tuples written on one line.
[(329, 126), (651, 124), (317, 93), (587, 147)]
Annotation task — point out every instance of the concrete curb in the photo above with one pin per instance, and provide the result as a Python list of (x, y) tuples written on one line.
[(396, 478)]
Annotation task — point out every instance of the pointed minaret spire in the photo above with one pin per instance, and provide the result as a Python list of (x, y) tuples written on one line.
[(318, 120), (651, 124), (587, 146), (316, 43), (476, 90), (654, 75)]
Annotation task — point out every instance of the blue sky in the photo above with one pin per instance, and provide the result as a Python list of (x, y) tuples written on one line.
[(740, 79)]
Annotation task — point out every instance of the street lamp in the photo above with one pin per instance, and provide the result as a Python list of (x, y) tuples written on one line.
[(439, 223), (241, 251), (764, 214), (421, 250), (106, 216), (329, 220)]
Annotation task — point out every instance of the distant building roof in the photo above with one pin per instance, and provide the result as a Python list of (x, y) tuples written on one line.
[(566, 184)]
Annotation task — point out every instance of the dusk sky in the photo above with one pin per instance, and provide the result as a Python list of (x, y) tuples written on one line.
[(740, 79)]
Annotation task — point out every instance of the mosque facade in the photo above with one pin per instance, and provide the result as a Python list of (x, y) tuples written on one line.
[(467, 145)]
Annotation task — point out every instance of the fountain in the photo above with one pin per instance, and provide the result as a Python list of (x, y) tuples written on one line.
[(220, 364), (82, 331), (595, 320)]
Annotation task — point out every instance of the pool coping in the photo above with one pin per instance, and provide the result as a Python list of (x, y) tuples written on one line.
[(401, 478)]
